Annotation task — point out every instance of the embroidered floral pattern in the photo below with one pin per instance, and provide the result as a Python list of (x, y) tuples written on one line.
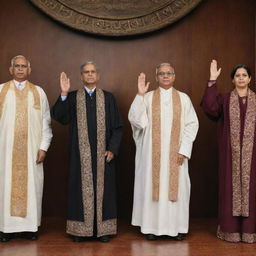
[(241, 159), (174, 145), (20, 154), (85, 228), (156, 144), (236, 237)]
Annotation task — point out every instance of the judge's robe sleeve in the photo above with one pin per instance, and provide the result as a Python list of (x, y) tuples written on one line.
[(60, 111), (212, 102), (115, 127), (190, 129)]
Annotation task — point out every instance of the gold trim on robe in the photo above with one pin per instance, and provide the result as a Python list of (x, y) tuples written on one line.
[(174, 145), (19, 155), (241, 156), (107, 227), (19, 182)]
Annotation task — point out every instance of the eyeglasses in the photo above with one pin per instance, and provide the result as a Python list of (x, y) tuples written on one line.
[(89, 71), (168, 73), (20, 66)]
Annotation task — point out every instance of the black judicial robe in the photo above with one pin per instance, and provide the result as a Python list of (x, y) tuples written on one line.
[(65, 112)]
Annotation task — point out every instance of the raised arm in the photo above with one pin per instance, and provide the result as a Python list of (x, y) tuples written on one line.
[(61, 109), (214, 71), (212, 100), (142, 85), (64, 84), (138, 113)]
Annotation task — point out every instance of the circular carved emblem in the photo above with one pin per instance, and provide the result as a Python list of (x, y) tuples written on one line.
[(116, 17)]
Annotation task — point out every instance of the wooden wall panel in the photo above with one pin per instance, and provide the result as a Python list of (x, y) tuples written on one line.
[(221, 29)]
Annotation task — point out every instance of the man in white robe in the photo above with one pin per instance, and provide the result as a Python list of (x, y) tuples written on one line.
[(24, 139), (164, 125)]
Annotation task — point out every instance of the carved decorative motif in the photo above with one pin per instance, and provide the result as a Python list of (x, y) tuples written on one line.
[(116, 17)]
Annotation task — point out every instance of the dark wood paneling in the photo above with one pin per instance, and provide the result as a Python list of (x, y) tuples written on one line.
[(221, 29)]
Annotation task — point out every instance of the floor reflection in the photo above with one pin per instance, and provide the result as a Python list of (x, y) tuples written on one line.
[(24, 248), (159, 248)]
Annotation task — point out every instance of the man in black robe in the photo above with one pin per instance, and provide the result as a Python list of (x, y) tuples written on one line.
[(96, 130)]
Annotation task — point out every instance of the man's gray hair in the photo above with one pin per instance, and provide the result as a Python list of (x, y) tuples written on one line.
[(88, 63), (19, 57), (163, 64)]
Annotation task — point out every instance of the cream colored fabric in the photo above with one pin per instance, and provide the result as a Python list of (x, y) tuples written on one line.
[(174, 145), (39, 137), (163, 217)]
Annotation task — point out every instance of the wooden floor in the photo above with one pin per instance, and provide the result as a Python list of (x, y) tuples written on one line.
[(53, 241)]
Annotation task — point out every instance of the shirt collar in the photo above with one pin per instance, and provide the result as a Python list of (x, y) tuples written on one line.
[(162, 90), (18, 83), (88, 90)]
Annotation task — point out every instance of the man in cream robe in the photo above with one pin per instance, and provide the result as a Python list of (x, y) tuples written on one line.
[(164, 126), (24, 139)]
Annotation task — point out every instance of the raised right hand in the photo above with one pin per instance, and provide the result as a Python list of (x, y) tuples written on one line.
[(64, 84), (214, 71), (142, 85)]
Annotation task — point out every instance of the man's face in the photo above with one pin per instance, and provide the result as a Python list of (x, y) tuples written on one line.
[(20, 70), (89, 75), (165, 77)]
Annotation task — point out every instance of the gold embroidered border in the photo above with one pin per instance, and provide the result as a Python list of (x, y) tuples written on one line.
[(156, 144), (247, 150), (236, 237), (241, 186), (36, 95), (74, 227), (234, 115), (32, 88), (20, 154), (230, 237), (174, 145), (106, 227), (249, 238), (3, 93), (85, 228)]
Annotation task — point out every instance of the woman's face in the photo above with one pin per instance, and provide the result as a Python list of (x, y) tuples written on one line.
[(241, 78)]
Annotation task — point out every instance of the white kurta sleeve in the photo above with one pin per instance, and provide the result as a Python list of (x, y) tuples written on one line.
[(46, 124), (138, 113), (190, 128)]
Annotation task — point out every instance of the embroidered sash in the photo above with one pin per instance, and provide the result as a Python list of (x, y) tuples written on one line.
[(20, 145), (241, 154), (174, 145), (103, 227)]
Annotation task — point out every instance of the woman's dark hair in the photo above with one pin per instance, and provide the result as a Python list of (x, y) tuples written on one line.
[(240, 66)]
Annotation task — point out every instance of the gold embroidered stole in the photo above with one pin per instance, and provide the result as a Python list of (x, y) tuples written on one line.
[(20, 145), (103, 227), (174, 145), (241, 156)]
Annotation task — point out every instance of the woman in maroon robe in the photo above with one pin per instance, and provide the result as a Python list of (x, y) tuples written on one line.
[(236, 112)]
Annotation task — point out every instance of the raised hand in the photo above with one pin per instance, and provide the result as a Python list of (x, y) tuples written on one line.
[(214, 71), (142, 85), (64, 84)]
